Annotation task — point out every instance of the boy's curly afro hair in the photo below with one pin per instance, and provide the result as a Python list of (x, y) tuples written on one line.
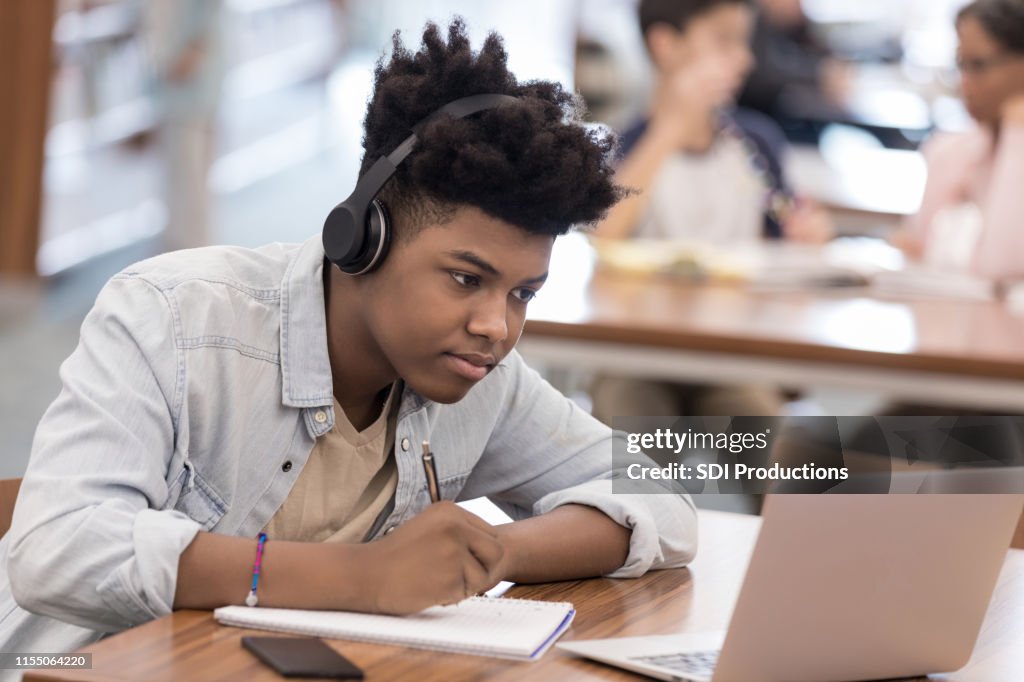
[(531, 164)]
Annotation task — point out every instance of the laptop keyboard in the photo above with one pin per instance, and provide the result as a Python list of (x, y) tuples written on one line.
[(692, 662)]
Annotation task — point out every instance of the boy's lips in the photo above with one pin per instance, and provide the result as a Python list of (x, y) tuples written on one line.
[(472, 366)]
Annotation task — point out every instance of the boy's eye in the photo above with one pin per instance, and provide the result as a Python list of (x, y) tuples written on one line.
[(465, 279), (524, 294)]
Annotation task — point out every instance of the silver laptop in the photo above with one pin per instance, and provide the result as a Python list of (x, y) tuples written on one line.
[(845, 587)]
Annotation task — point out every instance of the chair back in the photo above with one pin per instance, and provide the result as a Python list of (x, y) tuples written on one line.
[(8, 495)]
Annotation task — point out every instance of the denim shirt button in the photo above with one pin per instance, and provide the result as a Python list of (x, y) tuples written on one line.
[(320, 417), (389, 529), (405, 445), (286, 467)]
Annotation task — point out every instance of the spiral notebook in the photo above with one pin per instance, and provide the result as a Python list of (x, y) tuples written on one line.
[(521, 629)]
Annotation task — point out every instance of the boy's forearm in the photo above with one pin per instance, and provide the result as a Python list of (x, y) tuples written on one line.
[(637, 173), (571, 541), (216, 570)]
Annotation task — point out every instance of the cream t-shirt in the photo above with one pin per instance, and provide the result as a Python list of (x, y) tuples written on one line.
[(348, 480), (715, 198)]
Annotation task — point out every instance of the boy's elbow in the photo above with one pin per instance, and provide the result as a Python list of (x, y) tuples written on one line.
[(43, 579), (46, 584), (25, 574)]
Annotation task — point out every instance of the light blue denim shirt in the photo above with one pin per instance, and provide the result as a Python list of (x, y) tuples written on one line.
[(198, 388)]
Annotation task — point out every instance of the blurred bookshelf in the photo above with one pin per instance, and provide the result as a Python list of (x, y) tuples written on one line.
[(102, 187)]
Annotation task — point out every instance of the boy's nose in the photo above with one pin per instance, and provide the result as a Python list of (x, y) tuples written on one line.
[(490, 321)]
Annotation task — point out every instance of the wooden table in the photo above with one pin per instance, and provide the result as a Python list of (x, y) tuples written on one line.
[(190, 646), (956, 352)]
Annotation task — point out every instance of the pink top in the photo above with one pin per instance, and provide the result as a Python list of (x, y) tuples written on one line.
[(965, 167)]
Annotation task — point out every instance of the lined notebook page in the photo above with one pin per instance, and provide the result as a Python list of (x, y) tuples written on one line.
[(521, 629)]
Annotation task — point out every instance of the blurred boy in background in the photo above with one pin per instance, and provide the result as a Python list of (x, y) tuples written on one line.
[(702, 170)]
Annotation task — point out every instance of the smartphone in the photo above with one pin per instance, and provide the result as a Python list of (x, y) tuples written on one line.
[(302, 657)]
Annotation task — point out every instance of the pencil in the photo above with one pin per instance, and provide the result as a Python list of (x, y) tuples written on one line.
[(431, 473)]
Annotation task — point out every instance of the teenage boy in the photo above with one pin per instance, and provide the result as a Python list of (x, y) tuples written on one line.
[(224, 392)]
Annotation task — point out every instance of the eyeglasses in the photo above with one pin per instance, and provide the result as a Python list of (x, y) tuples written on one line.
[(977, 66)]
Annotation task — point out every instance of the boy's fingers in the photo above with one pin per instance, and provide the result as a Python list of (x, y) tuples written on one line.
[(485, 548), (475, 579)]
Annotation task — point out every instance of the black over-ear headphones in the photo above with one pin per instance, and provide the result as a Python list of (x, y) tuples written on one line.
[(356, 232)]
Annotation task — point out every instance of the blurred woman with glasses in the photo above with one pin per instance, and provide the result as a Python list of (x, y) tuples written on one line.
[(972, 212)]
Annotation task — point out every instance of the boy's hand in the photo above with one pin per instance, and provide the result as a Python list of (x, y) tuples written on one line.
[(688, 97), (808, 223), (440, 557)]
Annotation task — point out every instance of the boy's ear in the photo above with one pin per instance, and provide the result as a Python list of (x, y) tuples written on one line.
[(661, 43)]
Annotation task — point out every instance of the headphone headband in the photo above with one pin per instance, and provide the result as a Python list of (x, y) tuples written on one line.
[(355, 239)]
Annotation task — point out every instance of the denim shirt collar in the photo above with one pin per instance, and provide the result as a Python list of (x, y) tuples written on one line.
[(305, 363), (306, 379)]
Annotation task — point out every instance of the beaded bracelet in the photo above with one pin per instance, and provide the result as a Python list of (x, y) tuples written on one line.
[(252, 599)]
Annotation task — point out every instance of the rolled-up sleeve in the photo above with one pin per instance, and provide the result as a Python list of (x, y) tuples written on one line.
[(91, 541), (546, 452), (663, 527)]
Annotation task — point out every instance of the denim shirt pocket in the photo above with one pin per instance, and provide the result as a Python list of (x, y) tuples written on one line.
[(192, 495), (452, 487)]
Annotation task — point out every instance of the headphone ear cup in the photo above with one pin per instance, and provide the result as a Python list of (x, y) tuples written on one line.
[(376, 242), (343, 235), (379, 233)]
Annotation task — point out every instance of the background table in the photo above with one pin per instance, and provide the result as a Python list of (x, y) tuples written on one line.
[(955, 352)]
